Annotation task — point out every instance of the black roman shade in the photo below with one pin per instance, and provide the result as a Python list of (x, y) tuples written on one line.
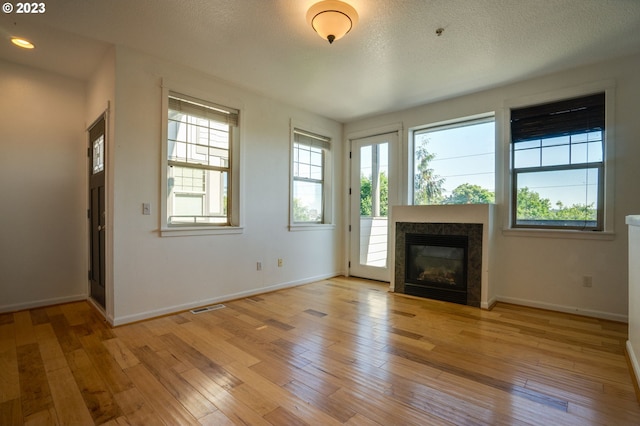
[(570, 116)]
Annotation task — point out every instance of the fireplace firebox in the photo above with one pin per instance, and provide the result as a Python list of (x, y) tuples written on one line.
[(441, 261), (436, 266)]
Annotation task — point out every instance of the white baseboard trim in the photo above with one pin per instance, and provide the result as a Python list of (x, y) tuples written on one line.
[(634, 361), (108, 318), (488, 305), (116, 321), (566, 309), (43, 302)]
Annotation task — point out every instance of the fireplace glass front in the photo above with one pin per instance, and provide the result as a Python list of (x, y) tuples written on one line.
[(436, 266)]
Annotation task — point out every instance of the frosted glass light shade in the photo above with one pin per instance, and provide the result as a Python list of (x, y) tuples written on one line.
[(20, 42), (332, 19)]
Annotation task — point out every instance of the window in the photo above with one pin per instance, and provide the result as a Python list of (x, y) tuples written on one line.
[(98, 155), (309, 172), (200, 141), (454, 163), (557, 158)]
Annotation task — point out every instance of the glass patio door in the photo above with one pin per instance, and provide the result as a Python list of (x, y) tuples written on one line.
[(373, 191)]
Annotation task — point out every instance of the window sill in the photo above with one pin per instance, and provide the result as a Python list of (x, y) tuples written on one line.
[(190, 231), (567, 234), (312, 227)]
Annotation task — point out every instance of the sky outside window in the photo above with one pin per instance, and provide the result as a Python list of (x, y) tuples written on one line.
[(463, 154), (570, 187)]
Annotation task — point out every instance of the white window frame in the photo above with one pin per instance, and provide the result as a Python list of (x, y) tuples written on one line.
[(327, 192), (453, 123), (608, 87), (234, 225)]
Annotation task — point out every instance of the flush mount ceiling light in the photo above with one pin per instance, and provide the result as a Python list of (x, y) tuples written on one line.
[(20, 42), (332, 19)]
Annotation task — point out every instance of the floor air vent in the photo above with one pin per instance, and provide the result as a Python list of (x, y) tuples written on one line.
[(207, 309)]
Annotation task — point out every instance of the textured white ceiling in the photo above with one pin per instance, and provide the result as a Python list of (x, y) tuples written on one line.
[(391, 60)]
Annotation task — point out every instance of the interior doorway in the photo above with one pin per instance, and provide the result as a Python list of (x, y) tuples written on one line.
[(97, 210)]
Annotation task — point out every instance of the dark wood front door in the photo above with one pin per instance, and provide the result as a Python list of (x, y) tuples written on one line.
[(97, 211)]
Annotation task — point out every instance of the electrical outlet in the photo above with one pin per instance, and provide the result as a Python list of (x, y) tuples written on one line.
[(280, 263), (587, 281), (259, 266)]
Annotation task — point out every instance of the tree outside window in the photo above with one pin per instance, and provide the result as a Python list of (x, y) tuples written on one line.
[(455, 163)]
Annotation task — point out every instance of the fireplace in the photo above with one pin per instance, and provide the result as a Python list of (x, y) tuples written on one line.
[(436, 266), (441, 261)]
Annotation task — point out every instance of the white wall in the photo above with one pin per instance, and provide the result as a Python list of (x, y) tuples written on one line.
[(153, 274), (633, 343), (100, 100), (547, 272), (42, 188), (43, 246)]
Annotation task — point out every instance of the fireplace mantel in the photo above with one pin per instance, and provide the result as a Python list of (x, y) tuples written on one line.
[(465, 213)]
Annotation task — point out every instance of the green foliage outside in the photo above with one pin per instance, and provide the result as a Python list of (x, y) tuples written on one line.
[(429, 187), (533, 207), (301, 213), (366, 207), (470, 194)]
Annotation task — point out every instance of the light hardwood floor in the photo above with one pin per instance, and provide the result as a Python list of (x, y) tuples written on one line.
[(340, 351)]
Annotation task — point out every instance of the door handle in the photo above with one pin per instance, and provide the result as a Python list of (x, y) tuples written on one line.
[(102, 228)]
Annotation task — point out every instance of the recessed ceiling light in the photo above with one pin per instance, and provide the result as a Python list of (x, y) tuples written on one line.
[(20, 42)]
